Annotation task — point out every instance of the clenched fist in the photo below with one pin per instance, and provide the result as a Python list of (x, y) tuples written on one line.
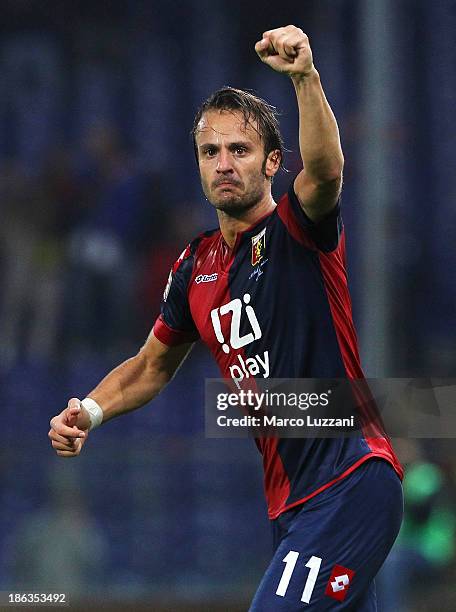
[(69, 429), (286, 50)]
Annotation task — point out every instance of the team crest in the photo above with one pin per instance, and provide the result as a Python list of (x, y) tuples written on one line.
[(258, 247)]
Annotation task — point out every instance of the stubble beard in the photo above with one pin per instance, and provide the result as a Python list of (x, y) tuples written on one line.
[(236, 205)]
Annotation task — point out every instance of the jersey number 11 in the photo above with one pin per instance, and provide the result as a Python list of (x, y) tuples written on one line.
[(290, 561)]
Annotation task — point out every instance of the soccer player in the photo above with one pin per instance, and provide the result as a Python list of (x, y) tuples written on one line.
[(269, 289)]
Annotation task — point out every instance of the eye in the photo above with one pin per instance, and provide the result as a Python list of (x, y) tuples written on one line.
[(240, 150), (210, 151)]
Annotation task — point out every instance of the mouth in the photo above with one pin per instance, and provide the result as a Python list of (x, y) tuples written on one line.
[(226, 184)]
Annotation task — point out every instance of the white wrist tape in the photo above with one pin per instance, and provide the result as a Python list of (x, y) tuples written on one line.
[(94, 410)]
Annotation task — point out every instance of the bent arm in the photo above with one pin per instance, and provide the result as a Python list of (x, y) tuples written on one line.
[(138, 380), (131, 385), (319, 184)]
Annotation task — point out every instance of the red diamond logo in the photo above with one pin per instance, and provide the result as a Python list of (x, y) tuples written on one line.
[(339, 582)]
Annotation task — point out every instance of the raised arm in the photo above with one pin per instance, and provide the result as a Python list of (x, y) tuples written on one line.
[(319, 184), (129, 386)]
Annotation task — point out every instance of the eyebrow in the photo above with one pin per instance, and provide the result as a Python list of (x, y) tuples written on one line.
[(232, 145)]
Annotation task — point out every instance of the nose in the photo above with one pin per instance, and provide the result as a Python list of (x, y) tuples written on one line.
[(224, 162)]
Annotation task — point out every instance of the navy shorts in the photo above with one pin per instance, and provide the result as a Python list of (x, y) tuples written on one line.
[(329, 549)]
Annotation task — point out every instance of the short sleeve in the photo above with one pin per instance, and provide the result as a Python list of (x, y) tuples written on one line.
[(326, 233), (175, 324)]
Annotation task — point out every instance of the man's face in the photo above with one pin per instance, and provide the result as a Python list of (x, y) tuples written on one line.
[(234, 172)]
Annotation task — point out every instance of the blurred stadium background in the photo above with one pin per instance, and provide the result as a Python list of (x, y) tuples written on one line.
[(99, 193)]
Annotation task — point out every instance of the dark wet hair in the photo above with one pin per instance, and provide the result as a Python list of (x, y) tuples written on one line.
[(256, 111)]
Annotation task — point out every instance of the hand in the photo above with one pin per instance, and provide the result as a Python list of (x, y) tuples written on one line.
[(286, 50), (69, 429)]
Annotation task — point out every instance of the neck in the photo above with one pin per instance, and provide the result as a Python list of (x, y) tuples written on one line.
[(230, 226)]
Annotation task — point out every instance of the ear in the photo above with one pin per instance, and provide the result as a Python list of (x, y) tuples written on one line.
[(272, 163)]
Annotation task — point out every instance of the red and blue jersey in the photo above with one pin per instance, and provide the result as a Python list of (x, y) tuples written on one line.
[(276, 305)]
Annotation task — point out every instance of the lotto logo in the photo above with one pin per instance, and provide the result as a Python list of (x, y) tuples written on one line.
[(339, 582)]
